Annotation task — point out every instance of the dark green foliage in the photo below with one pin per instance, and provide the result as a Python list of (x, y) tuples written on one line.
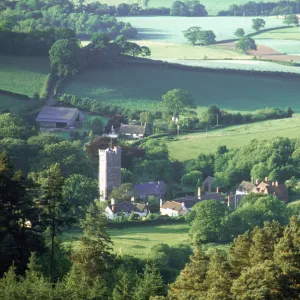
[(245, 44), (291, 19), (188, 8), (258, 23)]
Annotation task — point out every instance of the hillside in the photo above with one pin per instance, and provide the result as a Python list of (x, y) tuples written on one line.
[(191, 145), (143, 86)]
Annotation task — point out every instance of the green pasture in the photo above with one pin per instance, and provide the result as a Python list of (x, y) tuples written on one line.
[(137, 241), (189, 146), (23, 74), (14, 104), (142, 87), (292, 33)]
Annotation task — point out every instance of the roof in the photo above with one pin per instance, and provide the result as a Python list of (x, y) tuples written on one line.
[(188, 201), (245, 186), (176, 206), (270, 188), (128, 207), (57, 114), (150, 188), (208, 180), (132, 129), (212, 196)]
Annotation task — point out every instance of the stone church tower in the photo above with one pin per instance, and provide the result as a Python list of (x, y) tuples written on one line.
[(109, 171)]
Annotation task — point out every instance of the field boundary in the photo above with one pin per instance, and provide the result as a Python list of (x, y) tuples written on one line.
[(17, 95)]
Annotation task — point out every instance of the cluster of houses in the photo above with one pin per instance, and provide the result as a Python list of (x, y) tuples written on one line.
[(181, 206)]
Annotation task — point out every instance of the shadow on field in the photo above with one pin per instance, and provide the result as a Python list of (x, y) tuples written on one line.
[(149, 33), (128, 238)]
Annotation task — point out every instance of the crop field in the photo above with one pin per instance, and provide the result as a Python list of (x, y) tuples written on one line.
[(169, 29), (23, 75), (189, 146), (137, 241), (292, 33), (142, 87), (13, 104)]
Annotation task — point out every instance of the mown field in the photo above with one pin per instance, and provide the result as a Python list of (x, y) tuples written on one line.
[(292, 33), (142, 88), (137, 241), (189, 146), (23, 75), (13, 104)]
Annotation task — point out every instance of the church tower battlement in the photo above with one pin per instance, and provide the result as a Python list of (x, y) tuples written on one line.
[(109, 171)]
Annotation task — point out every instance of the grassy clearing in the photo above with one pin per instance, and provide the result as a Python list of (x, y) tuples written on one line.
[(13, 104), (142, 87), (137, 241), (191, 145), (160, 50), (292, 33), (23, 75)]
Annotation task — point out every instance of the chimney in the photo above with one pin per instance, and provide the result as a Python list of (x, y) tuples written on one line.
[(183, 205), (276, 183), (228, 200), (218, 190), (113, 202), (266, 179), (199, 193), (257, 182), (160, 203)]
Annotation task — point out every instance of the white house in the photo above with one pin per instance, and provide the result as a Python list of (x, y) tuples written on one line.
[(114, 210), (244, 188), (133, 131), (173, 209)]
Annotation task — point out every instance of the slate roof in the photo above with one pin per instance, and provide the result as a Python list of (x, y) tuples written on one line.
[(56, 114), (132, 129), (146, 189), (212, 196), (245, 186), (208, 181), (270, 188), (189, 202), (128, 207)]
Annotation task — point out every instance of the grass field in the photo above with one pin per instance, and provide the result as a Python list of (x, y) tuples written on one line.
[(189, 146), (13, 104), (292, 33), (142, 87), (137, 241), (170, 29), (161, 50), (23, 75)]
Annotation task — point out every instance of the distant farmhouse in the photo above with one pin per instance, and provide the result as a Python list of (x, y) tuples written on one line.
[(133, 131), (114, 210), (156, 189), (59, 117)]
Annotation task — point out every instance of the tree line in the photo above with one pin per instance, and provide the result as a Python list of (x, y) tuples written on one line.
[(27, 16), (262, 9)]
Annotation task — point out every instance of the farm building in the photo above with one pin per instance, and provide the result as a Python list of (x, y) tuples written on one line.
[(114, 210), (156, 189), (59, 117), (133, 131)]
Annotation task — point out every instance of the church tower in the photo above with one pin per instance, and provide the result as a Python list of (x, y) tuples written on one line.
[(109, 171)]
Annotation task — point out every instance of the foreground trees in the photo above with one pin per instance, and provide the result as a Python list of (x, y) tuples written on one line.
[(262, 264)]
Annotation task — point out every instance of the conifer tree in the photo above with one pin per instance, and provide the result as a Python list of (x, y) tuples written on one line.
[(94, 255), (56, 211), (287, 253), (151, 284), (191, 282), (238, 254), (263, 242), (219, 277), (9, 286), (125, 287)]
